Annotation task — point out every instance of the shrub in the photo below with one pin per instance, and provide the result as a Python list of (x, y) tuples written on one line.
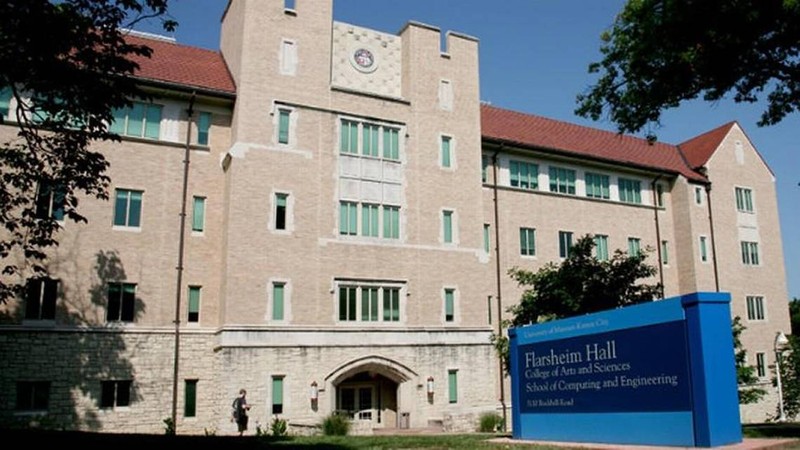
[(169, 426), (278, 427), (490, 422), (335, 425)]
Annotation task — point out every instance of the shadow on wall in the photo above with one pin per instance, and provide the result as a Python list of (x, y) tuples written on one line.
[(80, 359)]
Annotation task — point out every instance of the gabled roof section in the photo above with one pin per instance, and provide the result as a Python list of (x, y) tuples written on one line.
[(183, 65), (698, 150), (541, 133)]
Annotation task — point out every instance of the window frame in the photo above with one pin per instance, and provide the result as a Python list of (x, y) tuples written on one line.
[(756, 308), (750, 253), (112, 387), (557, 184), (142, 110), (127, 213), (744, 200), (630, 190), (198, 224), (46, 301), (527, 242), (523, 175), (120, 317), (194, 294), (190, 397), (600, 185), (601, 251), (564, 243), (32, 396), (634, 246), (352, 295)]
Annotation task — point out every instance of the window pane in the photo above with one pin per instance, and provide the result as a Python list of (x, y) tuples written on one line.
[(203, 126), (198, 213), (342, 303), (194, 299), (135, 209), (114, 299), (445, 151), (153, 119), (452, 383), (135, 120), (370, 140), (5, 100), (351, 304), (49, 299), (277, 301), (190, 398), (33, 292), (107, 391), (123, 393), (283, 126), (280, 211), (121, 207), (486, 239), (128, 302), (447, 221), (277, 391), (449, 305)]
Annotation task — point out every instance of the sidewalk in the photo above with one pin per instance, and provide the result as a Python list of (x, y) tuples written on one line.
[(746, 444)]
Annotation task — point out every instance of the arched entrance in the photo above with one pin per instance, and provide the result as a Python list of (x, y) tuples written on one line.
[(367, 390)]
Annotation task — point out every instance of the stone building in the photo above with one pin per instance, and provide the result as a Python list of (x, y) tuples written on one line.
[(352, 212)]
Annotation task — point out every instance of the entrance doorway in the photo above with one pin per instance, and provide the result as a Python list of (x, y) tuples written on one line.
[(369, 399)]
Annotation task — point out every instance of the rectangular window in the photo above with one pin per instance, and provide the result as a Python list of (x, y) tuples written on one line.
[(524, 175), (447, 225), (190, 398), (280, 211), (445, 151), (634, 246), (194, 304), (277, 395), (486, 238), (630, 191), (452, 386), (391, 143), (369, 304), (278, 290), (127, 208), (283, 126), (761, 365), (203, 127), (484, 168), (198, 213), (527, 241), (5, 101), (659, 195), (369, 220), (349, 137), (115, 393), (369, 143), (391, 304), (33, 395), (755, 307), (288, 63), (703, 249), (50, 201), (601, 247), (391, 222), (597, 185), (40, 299), (121, 302), (138, 120), (698, 195), (750, 253), (562, 180), (347, 303), (744, 200), (449, 305), (348, 218), (664, 253), (564, 243)]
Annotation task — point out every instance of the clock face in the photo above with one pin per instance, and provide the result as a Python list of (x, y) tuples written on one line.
[(364, 58)]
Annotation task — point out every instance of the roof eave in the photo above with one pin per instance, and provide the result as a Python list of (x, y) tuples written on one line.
[(187, 88)]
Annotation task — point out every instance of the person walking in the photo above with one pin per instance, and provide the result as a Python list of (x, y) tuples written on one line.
[(240, 409)]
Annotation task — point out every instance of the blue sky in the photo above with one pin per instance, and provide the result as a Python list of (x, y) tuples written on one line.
[(533, 58)]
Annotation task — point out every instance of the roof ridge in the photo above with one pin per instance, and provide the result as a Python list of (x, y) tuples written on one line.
[(174, 42)]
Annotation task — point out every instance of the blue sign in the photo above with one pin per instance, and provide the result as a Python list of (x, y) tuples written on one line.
[(636, 369)]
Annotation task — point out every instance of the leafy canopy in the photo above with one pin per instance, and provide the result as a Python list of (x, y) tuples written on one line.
[(746, 377), (790, 378), (661, 52), (67, 66)]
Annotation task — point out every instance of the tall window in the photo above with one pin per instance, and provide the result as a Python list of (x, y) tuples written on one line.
[(283, 126), (564, 243), (664, 252), (347, 303), (369, 304), (194, 304), (127, 208), (121, 302), (138, 120), (203, 127), (348, 137), (761, 365), (369, 142), (486, 238), (277, 395), (280, 211), (348, 218), (634, 246), (50, 201), (447, 225), (755, 307), (115, 393), (445, 151), (190, 398), (198, 213), (703, 249), (698, 195), (562, 180), (377, 303), (391, 143), (369, 220), (744, 200), (40, 299), (597, 185), (601, 247), (391, 222), (484, 168), (527, 241), (376, 140), (278, 292), (750, 253), (33, 396), (452, 386), (524, 175), (630, 191), (659, 195), (449, 305), (391, 304)]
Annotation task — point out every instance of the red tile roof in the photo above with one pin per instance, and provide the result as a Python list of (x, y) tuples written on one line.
[(183, 65), (698, 150), (528, 130)]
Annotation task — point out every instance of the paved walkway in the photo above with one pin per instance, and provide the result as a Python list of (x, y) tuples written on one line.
[(747, 444)]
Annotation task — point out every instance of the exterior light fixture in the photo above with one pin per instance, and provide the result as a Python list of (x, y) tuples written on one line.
[(314, 391), (780, 343), (430, 386)]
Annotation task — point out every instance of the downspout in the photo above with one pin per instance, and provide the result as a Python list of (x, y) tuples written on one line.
[(658, 233), (497, 274), (713, 241), (181, 239)]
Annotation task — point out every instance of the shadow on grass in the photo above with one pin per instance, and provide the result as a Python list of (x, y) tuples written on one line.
[(772, 430)]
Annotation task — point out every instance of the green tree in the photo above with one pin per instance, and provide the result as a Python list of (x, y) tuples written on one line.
[(580, 284), (794, 315), (746, 377), (661, 52), (790, 378), (68, 66)]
